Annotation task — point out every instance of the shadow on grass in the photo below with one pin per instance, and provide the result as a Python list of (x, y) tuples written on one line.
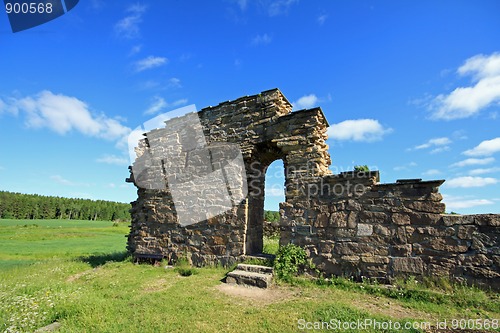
[(100, 259)]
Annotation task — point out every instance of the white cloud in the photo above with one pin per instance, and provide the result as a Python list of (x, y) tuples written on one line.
[(113, 159), (158, 104), (9, 106), (60, 180), (134, 50), (63, 114), (459, 135), (405, 167), (279, 7), (322, 18), (305, 102), (431, 172), (160, 85), (441, 145), (469, 181), (174, 82), (179, 102), (150, 62), (481, 66), (242, 4), (434, 142), (262, 39), (362, 130), (482, 171), (128, 27), (464, 102), (485, 148), (439, 150), (456, 202), (473, 161)]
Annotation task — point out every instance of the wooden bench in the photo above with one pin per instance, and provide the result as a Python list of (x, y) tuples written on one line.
[(151, 258)]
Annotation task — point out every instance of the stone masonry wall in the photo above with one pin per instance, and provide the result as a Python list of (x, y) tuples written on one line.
[(350, 224), (361, 228)]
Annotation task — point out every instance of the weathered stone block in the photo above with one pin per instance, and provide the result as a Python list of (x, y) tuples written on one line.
[(446, 244), (475, 260), (449, 220), (481, 242), (400, 219), (374, 271), (352, 220), (425, 206), (381, 230), (350, 259), (364, 230), (322, 220), (374, 259), (426, 234), (487, 219), (373, 217), (352, 248), (424, 218), (413, 265), (338, 219), (402, 234), (480, 272), (466, 231), (339, 233), (437, 270), (326, 246), (401, 250)]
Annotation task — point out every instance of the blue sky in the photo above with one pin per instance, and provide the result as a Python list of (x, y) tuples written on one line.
[(410, 88)]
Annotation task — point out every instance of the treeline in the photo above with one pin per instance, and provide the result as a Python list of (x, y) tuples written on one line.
[(33, 206), (271, 216)]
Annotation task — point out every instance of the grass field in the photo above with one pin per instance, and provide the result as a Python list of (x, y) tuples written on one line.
[(28, 241), (77, 274)]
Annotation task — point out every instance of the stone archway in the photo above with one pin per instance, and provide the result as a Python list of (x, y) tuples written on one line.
[(265, 129)]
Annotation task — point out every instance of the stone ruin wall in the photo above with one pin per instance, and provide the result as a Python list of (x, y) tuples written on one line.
[(383, 231), (350, 224)]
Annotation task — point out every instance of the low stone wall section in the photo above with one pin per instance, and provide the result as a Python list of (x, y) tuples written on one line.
[(385, 231)]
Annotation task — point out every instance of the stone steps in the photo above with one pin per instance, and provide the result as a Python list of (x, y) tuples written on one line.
[(264, 256), (251, 275)]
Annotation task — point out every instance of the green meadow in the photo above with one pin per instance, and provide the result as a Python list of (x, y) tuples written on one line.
[(77, 274)]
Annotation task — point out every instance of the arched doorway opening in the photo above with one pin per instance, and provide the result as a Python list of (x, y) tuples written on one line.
[(274, 194), (256, 174)]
